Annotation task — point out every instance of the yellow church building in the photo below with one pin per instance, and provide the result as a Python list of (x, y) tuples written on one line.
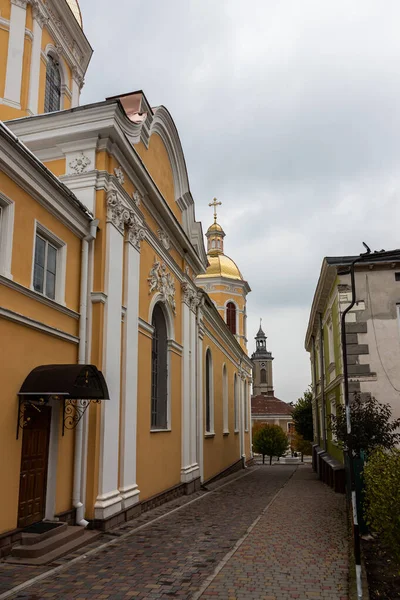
[(125, 375)]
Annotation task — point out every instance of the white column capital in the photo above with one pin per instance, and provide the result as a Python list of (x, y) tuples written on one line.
[(38, 14), (20, 3)]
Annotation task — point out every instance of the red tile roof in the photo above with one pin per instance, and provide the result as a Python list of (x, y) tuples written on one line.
[(269, 405)]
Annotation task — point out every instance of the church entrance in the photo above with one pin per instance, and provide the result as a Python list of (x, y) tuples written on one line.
[(34, 461)]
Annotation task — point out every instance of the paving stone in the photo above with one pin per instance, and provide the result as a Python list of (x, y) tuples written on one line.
[(297, 550)]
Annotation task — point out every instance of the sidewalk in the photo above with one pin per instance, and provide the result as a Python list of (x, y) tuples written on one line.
[(298, 549)]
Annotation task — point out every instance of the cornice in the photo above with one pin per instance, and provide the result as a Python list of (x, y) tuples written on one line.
[(106, 120), (41, 189)]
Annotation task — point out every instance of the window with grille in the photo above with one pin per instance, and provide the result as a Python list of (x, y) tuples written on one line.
[(209, 394), (45, 267), (52, 97), (231, 317), (159, 371)]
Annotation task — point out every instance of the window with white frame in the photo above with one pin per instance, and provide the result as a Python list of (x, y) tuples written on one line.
[(236, 403), (49, 265), (209, 393), (225, 406), (246, 408), (331, 346), (6, 234)]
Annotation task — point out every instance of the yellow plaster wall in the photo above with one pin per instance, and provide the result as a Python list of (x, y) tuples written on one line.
[(26, 63), (57, 167), (26, 211), (156, 160), (27, 349), (5, 9)]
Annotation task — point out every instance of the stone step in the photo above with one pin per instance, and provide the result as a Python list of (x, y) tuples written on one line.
[(27, 539), (63, 546), (43, 546)]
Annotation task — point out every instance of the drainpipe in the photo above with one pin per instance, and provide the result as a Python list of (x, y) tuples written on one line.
[(77, 502), (315, 390), (321, 353)]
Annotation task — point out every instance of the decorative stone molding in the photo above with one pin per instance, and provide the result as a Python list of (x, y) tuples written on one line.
[(20, 3), (191, 296), (161, 281), (119, 174), (60, 49), (188, 293), (136, 231), (80, 163), (72, 45), (38, 13), (136, 198), (119, 215), (164, 239), (77, 76), (114, 209)]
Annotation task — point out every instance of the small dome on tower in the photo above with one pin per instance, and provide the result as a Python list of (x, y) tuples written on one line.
[(76, 11), (222, 266)]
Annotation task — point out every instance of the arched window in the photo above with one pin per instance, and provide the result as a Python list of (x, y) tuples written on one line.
[(159, 370), (236, 403), (209, 394), (246, 408), (52, 97), (263, 375), (213, 244), (225, 407), (231, 317)]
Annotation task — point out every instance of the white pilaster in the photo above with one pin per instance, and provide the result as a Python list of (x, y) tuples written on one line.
[(128, 435), (193, 404), (16, 39), (34, 76), (185, 469), (190, 467), (200, 429), (77, 82), (241, 415), (109, 500)]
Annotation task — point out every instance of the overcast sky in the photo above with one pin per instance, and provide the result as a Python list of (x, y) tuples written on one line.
[(288, 112)]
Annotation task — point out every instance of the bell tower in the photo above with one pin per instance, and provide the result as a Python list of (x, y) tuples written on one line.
[(262, 366)]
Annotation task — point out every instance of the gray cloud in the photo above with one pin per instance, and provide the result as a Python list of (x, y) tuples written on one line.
[(288, 113)]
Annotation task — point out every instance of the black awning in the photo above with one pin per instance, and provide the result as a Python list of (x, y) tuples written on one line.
[(75, 382)]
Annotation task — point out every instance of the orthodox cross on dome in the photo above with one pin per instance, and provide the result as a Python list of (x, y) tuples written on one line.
[(215, 203)]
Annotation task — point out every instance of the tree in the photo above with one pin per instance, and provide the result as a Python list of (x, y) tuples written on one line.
[(302, 416), (270, 440), (301, 445), (371, 426)]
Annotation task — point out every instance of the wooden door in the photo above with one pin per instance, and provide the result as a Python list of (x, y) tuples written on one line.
[(34, 460)]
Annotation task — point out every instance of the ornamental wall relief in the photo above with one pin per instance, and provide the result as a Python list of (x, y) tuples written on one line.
[(164, 239), (80, 164), (119, 174), (160, 280)]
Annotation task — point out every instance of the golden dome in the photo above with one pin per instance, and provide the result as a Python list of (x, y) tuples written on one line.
[(215, 227), (74, 6), (221, 266)]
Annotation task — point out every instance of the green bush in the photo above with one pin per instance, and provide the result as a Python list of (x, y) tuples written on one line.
[(382, 496)]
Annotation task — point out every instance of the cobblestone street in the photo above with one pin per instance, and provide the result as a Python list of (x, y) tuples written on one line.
[(296, 547)]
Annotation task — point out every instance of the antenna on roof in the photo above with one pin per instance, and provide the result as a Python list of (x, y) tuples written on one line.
[(368, 249)]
